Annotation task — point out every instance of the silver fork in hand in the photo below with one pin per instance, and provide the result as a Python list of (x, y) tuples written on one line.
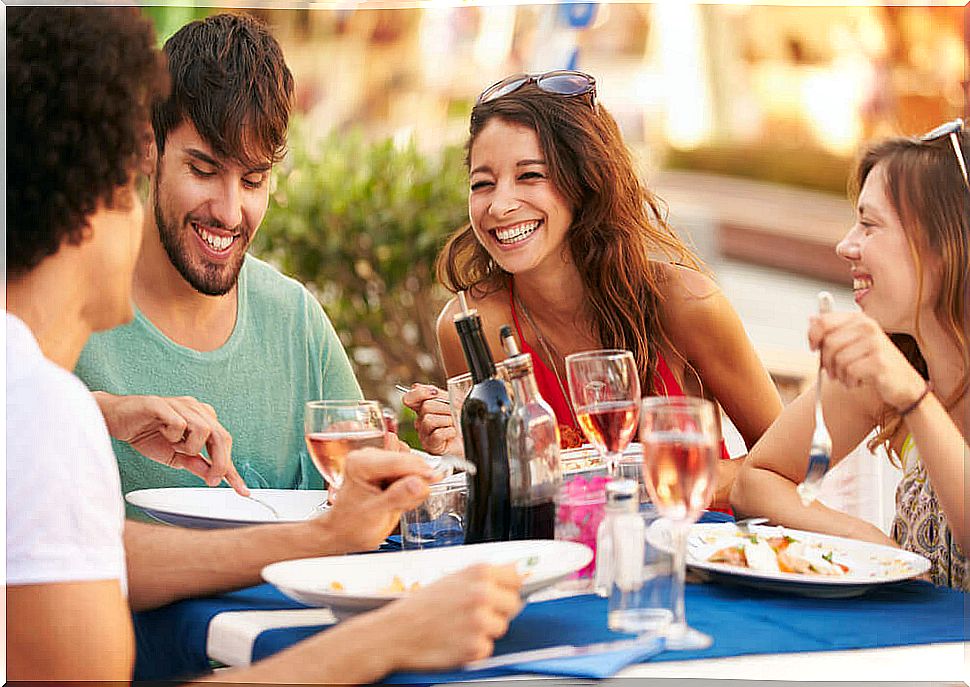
[(819, 456), (265, 505)]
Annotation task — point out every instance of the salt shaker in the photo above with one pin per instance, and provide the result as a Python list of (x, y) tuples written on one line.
[(621, 518)]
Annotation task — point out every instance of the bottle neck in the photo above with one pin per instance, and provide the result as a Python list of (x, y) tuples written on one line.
[(525, 388), (475, 347), (523, 380)]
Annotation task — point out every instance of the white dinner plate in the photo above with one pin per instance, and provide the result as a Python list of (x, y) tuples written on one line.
[(868, 564), (352, 584), (220, 507)]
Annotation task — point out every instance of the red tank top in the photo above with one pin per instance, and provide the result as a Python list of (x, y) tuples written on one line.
[(550, 390)]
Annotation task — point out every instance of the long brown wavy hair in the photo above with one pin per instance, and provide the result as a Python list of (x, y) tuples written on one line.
[(618, 224), (926, 189)]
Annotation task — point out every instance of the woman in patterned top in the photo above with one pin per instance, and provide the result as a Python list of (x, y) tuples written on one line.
[(900, 367)]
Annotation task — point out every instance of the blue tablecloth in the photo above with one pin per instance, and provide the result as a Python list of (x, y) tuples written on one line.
[(172, 640)]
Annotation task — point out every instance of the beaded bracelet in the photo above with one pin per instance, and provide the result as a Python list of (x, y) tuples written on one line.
[(912, 406)]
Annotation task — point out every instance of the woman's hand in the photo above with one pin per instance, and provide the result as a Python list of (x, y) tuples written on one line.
[(453, 621), (436, 428), (857, 352), (173, 432)]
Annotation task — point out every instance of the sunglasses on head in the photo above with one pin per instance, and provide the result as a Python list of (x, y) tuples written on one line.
[(564, 82), (950, 129)]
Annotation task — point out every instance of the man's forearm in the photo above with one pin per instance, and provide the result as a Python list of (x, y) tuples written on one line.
[(357, 651), (166, 564)]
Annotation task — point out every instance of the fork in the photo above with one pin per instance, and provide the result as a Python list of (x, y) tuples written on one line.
[(455, 462), (403, 389), (265, 505), (744, 526), (819, 456)]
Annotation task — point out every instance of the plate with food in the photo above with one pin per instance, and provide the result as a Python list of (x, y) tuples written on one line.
[(782, 559), (363, 582), (221, 507)]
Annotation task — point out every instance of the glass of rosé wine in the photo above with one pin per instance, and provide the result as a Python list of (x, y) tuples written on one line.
[(605, 391), (335, 428), (681, 442)]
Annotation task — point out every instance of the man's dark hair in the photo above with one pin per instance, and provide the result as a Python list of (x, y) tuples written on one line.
[(79, 87), (230, 80)]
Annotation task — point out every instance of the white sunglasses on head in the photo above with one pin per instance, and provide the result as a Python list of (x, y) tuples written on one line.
[(950, 129)]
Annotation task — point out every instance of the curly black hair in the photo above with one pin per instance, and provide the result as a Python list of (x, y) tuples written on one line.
[(80, 84)]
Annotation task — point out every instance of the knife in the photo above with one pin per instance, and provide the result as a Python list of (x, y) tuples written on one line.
[(651, 644)]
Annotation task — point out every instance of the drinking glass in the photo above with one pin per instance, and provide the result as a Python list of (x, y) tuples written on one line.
[(439, 520), (681, 440), (335, 428), (605, 390), (460, 385), (580, 508), (641, 598)]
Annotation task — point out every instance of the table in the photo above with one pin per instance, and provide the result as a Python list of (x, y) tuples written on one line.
[(755, 632), (231, 637)]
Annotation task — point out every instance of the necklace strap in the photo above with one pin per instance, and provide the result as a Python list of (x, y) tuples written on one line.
[(546, 349)]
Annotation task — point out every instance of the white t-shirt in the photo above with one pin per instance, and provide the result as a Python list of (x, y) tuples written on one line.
[(65, 515)]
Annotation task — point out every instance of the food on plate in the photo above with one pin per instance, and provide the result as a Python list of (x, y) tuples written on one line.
[(570, 437), (396, 586), (779, 554)]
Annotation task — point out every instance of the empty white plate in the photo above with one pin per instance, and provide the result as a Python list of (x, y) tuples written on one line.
[(213, 508)]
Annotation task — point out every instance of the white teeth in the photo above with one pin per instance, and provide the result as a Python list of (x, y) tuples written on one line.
[(516, 233), (859, 283), (219, 243)]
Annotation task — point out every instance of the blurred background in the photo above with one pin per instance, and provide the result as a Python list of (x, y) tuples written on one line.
[(744, 118)]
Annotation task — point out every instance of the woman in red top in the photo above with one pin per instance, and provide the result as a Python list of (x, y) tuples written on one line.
[(566, 242)]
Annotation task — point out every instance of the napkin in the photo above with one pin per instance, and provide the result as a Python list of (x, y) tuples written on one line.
[(577, 620)]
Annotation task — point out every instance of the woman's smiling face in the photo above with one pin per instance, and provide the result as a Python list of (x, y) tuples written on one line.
[(517, 213), (884, 275)]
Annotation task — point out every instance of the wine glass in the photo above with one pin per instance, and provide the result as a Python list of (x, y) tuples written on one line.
[(681, 439), (605, 390), (335, 428)]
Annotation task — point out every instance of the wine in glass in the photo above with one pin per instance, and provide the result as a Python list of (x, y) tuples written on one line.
[(605, 390), (681, 442), (335, 428)]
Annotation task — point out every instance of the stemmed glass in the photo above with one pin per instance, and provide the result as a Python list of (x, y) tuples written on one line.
[(681, 439), (335, 428), (605, 390)]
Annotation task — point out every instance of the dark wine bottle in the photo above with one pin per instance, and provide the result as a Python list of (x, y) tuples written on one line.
[(484, 415)]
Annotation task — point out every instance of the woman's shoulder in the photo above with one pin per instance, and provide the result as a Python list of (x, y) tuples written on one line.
[(494, 302), (491, 306), (687, 295)]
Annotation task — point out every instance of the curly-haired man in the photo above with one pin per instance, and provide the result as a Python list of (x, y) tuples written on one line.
[(79, 85), (216, 331)]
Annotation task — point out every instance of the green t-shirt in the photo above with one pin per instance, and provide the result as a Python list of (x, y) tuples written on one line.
[(282, 353)]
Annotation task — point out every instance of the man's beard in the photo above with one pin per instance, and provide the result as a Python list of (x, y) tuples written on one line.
[(209, 279)]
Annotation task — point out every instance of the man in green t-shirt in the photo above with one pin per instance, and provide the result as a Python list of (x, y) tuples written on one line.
[(224, 351)]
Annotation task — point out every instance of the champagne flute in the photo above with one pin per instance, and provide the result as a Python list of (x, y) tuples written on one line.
[(335, 428), (681, 440), (605, 390)]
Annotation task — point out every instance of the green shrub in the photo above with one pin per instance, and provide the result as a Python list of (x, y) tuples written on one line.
[(361, 224)]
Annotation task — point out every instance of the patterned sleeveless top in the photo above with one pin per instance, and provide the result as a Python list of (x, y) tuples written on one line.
[(920, 525)]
